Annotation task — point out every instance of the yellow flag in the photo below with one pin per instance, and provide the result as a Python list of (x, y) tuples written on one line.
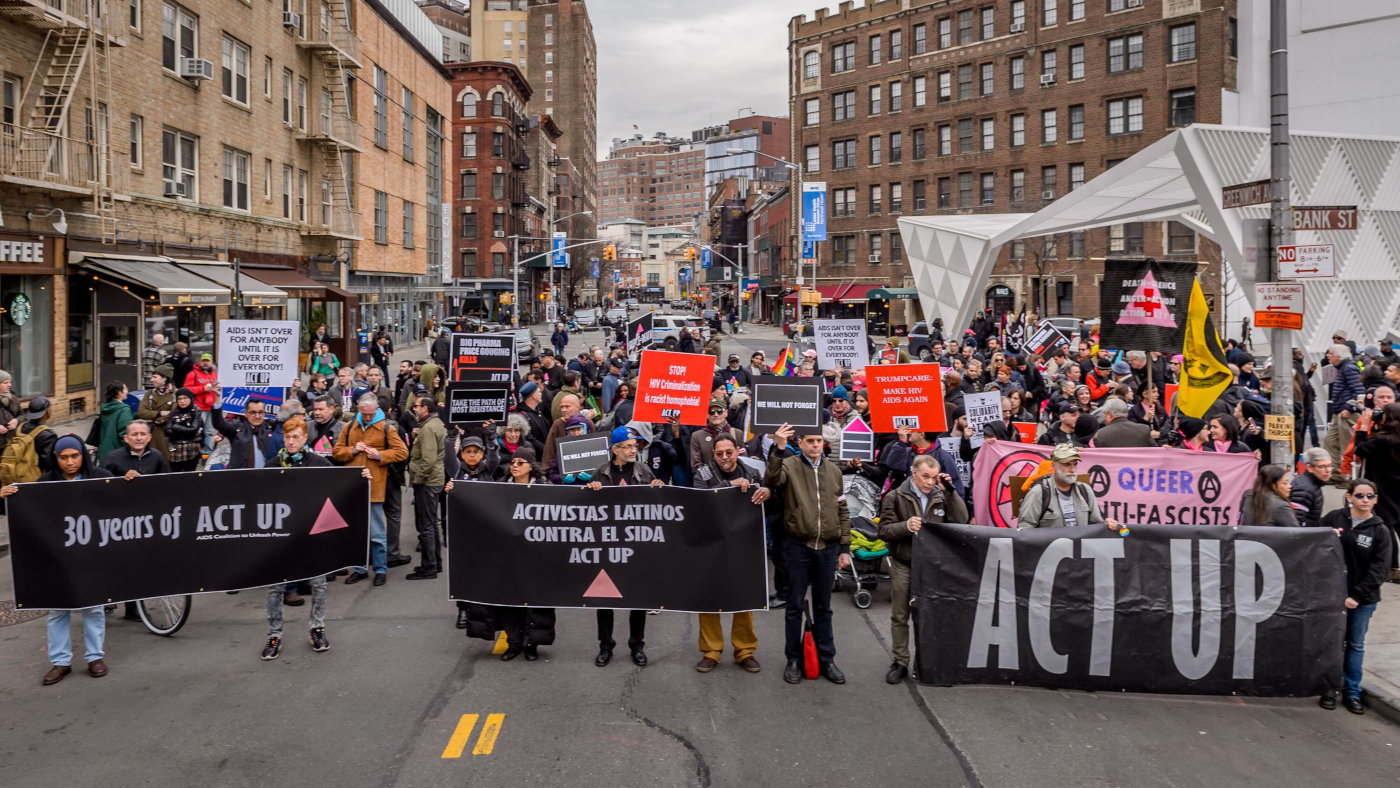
[(1204, 374)]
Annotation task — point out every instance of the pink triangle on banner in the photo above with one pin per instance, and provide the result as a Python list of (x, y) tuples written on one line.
[(603, 586), (857, 426), (328, 520), (1146, 307)]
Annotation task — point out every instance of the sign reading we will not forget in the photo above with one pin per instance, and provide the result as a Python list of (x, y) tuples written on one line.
[(906, 395), (258, 353), (840, 343), (796, 402), (674, 385)]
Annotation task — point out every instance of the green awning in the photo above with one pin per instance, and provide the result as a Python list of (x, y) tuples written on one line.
[(893, 294)]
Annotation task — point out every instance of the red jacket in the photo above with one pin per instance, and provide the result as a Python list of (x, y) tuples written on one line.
[(196, 381)]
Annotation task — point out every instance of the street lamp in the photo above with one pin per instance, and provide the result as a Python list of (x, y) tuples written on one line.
[(553, 302), (795, 194)]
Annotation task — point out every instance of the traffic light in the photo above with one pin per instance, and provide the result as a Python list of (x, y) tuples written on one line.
[(610, 253), (690, 254)]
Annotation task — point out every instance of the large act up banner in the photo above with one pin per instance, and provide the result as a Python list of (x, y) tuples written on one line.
[(1133, 486)]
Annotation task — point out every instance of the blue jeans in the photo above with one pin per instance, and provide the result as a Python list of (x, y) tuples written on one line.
[(816, 568), (61, 640), (1358, 620), (378, 544)]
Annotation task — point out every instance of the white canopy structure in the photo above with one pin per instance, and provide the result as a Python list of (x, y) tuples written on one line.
[(1180, 177)]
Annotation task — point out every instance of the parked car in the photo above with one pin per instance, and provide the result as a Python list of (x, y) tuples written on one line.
[(919, 343), (527, 345), (586, 318), (617, 313), (1069, 326), (666, 329)]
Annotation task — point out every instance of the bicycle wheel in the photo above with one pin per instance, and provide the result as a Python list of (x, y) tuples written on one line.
[(166, 614)]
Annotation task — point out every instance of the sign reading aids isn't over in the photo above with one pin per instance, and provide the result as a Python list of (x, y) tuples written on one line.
[(258, 353)]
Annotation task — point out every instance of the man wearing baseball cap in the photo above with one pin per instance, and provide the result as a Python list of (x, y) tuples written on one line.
[(733, 376), (1062, 431), (1059, 499), (203, 382)]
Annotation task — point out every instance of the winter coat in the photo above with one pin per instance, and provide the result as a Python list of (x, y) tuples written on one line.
[(196, 382), (425, 462), (1123, 434), (441, 352), (244, 439), (185, 434), (113, 418), (1280, 513), (1382, 455), (632, 474), (379, 434), (1040, 508), (1366, 549), (539, 422), (559, 340), (902, 502), (118, 461), (9, 409), (814, 502), (710, 477), (898, 457), (1307, 493), (150, 409), (702, 444), (1346, 388)]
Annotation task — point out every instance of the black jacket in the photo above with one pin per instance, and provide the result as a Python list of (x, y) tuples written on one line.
[(901, 503), (1366, 551), (710, 477), (1382, 455), (118, 461), (244, 440), (610, 475), (43, 443), (441, 352), (1307, 492)]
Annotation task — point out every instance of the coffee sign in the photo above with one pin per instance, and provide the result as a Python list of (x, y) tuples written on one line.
[(27, 253)]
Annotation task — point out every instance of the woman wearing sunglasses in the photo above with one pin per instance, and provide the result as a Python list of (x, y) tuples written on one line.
[(1366, 547)]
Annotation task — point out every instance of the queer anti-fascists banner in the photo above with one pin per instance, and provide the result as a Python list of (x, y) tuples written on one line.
[(638, 548), (1148, 485), (1143, 303), (84, 543), (1252, 610)]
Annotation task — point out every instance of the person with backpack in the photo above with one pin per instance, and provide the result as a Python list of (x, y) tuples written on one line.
[(1060, 500), (9, 410), (368, 441), (29, 454), (156, 406)]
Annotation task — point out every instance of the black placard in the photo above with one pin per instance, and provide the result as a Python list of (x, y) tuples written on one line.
[(474, 403), (638, 548), (1044, 339), (83, 543), (780, 400), (582, 454), (1144, 304), (483, 358), (639, 336)]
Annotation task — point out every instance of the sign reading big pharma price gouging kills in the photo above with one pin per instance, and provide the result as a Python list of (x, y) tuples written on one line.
[(258, 353), (906, 395)]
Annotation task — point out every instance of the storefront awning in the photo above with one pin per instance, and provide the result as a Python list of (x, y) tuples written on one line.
[(254, 292), (893, 294), (175, 285), (297, 286), (849, 293)]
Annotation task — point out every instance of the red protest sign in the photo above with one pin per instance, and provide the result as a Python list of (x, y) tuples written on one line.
[(1027, 431), (1171, 389), (906, 395), (671, 385)]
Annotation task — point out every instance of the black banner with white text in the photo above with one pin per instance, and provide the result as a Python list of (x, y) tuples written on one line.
[(1204, 610)]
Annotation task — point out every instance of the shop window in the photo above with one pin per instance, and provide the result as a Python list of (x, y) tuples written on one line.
[(26, 333)]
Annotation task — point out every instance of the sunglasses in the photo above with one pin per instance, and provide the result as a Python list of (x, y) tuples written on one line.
[(713, 411), (1363, 496), (519, 462)]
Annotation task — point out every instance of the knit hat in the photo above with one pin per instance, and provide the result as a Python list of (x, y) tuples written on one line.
[(164, 370), (1121, 368), (525, 453), (1372, 351), (184, 392), (1190, 428), (69, 441), (4, 376), (840, 393), (576, 420)]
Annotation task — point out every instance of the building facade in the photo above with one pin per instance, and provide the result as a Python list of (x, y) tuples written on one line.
[(997, 107), (454, 21), (658, 181), (563, 69), (737, 150)]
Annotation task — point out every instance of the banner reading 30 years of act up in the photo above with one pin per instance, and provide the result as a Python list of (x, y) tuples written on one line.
[(83, 543), (637, 548)]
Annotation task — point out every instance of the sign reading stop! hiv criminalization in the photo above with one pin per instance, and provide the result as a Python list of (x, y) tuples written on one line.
[(674, 386), (906, 395)]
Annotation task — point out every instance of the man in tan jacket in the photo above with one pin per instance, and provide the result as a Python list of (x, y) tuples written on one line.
[(370, 440)]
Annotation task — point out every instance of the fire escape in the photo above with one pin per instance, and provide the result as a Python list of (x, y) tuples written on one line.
[(335, 131), (36, 150)]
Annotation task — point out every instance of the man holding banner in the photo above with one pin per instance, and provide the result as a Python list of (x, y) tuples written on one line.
[(1059, 499), (369, 442)]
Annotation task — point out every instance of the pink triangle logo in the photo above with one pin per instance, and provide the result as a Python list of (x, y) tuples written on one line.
[(857, 427), (328, 520), (603, 586), (1146, 308)]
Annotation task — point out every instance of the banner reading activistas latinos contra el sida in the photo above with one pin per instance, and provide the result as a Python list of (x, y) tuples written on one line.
[(1134, 486)]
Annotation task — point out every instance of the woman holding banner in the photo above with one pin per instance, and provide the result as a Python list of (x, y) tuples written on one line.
[(1366, 548)]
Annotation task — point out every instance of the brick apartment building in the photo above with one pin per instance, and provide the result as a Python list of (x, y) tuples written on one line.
[(658, 181), (968, 106), (563, 69)]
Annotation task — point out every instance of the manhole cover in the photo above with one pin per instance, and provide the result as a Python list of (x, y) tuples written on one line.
[(9, 616)]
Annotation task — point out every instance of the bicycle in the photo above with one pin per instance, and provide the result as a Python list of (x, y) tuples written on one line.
[(164, 615)]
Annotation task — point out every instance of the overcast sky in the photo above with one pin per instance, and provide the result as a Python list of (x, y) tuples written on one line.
[(680, 65)]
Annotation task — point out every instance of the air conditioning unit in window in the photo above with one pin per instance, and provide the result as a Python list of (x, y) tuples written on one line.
[(1134, 4), (291, 21), (498, 233), (1048, 78), (175, 189), (874, 258), (196, 68), (1018, 27), (1048, 194)]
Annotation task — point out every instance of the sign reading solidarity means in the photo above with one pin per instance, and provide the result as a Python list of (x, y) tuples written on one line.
[(84, 543), (982, 408), (474, 403), (483, 358), (258, 353), (840, 343), (674, 385), (779, 400), (857, 442), (637, 548), (582, 454), (1254, 611), (906, 395)]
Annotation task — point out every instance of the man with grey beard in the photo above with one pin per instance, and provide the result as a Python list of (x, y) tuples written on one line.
[(1060, 500)]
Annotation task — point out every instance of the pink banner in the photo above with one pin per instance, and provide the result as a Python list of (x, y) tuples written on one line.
[(1134, 486)]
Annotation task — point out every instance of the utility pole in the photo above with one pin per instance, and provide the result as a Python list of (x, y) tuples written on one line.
[(1280, 214)]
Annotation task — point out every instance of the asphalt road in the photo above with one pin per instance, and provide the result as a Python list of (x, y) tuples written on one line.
[(392, 704)]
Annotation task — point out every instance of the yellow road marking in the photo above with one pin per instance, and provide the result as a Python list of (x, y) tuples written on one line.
[(459, 739), (489, 733), (500, 647)]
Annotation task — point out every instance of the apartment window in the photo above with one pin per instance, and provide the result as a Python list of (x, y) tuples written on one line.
[(301, 103), (1124, 53), (811, 65), (498, 185), (843, 250), (843, 57), (469, 105), (1182, 107), (989, 188), (1018, 186), (302, 178), (814, 111), (179, 35), (286, 192), (549, 74), (1018, 73), (843, 105), (843, 154), (896, 44), (875, 248), (896, 248), (1050, 11), (236, 166), (843, 202), (945, 86), (1076, 245), (920, 39), (945, 192), (1183, 43), (407, 102), (920, 91), (1076, 175), (988, 69), (133, 14), (965, 190), (1125, 115), (507, 27), (989, 26), (896, 96), (1018, 130), (381, 108), (467, 185), (965, 81), (1049, 126), (1047, 62), (812, 158), (965, 27), (1125, 238), (876, 195), (1018, 14), (1049, 182), (235, 70), (920, 189), (549, 39), (135, 153), (267, 182), (1076, 122), (875, 143), (1180, 239), (988, 134), (469, 261), (407, 224), (896, 197), (1076, 61), (896, 147), (1017, 250), (267, 78), (875, 98), (469, 145), (1076, 10), (945, 140), (469, 227), (919, 143), (876, 50), (381, 217), (1232, 37), (498, 105), (498, 145), (179, 156), (965, 135), (1049, 247)]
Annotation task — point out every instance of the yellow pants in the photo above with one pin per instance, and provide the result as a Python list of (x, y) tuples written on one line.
[(741, 632)]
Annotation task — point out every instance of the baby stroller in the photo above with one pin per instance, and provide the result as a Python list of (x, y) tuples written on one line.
[(870, 559)]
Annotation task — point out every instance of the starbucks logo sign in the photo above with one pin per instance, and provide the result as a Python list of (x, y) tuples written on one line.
[(19, 309)]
